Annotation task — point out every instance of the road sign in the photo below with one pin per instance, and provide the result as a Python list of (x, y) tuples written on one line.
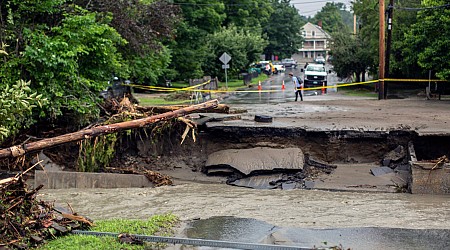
[(225, 66), (225, 58)]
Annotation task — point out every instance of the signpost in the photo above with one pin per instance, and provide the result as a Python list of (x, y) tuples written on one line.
[(225, 58)]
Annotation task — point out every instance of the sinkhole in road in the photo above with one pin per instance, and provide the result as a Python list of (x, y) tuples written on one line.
[(288, 158)]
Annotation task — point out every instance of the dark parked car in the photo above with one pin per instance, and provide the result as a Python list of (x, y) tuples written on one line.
[(289, 63)]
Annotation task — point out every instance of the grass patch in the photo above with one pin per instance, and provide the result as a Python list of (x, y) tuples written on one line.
[(179, 85), (159, 224), (149, 100), (358, 92)]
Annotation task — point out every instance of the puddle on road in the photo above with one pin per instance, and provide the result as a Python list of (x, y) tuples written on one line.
[(255, 231), (229, 228)]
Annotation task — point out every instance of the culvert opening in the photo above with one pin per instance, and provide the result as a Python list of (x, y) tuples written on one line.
[(430, 165)]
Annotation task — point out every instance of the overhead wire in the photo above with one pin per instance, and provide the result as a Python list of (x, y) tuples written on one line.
[(422, 8), (244, 4)]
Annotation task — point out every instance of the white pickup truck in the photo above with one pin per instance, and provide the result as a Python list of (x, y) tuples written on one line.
[(315, 75)]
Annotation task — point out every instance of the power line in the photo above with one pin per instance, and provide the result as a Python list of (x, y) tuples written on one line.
[(309, 11), (243, 4), (423, 8), (318, 1)]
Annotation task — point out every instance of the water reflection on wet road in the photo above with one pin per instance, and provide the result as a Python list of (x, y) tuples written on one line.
[(367, 238), (278, 95)]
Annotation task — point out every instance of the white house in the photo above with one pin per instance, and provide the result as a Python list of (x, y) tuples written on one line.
[(316, 42)]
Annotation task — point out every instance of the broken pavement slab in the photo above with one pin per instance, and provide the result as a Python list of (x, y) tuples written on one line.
[(249, 160), (381, 171)]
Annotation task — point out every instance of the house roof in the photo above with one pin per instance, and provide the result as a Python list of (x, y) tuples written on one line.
[(319, 32)]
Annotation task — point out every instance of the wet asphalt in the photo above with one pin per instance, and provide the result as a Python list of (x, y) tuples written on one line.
[(272, 90)]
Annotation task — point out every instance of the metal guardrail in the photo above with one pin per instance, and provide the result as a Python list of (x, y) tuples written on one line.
[(197, 242)]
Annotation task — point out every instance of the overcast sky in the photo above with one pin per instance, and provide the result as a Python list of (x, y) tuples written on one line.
[(311, 7)]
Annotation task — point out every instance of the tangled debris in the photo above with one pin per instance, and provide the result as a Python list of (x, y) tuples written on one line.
[(155, 177), (26, 222)]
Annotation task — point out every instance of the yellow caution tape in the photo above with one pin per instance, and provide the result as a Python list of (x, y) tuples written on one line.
[(413, 80), (193, 88)]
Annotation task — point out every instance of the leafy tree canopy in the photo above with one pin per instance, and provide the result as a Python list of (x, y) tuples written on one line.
[(283, 30), (350, 56), (244, 47), (331, 16), (428, 40), (200, 18), (253, 14)]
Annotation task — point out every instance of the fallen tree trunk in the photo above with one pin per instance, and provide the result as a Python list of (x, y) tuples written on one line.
[(19, 150), (221, 108)]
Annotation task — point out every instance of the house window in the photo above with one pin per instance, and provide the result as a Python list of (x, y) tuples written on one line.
[(313, 33), (320, 44)]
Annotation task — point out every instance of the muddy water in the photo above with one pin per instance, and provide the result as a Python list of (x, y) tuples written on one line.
[(367, 238), (284, 208)]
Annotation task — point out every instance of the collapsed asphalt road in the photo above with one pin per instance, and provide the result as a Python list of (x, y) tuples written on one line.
[(307, 209)]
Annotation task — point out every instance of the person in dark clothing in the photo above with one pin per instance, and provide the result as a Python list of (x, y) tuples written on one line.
[(298, 85)]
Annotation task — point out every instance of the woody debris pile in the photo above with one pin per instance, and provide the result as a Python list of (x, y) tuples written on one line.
[(26, 222)]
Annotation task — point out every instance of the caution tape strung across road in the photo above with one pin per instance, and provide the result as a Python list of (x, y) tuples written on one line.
[(193, 88)]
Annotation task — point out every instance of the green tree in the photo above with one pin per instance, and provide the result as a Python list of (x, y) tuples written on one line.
[(71, 64), (200, 18), (331, 16), (147, 26), (251, 14), (350, 56), (283, 30), (427, 40), (404, 64), (67, 53), (368, 16), (243, 46)]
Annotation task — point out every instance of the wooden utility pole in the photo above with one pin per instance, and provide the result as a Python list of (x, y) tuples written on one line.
[(390, 16), (354, 24), (381, 52), (19, 150)]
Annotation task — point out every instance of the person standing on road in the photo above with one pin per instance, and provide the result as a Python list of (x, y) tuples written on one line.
[(298, 85)]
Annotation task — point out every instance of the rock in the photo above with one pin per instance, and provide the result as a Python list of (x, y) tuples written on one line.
[(289, 185), (308, 184), (381, 171), (385, 162), (396, 155)]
